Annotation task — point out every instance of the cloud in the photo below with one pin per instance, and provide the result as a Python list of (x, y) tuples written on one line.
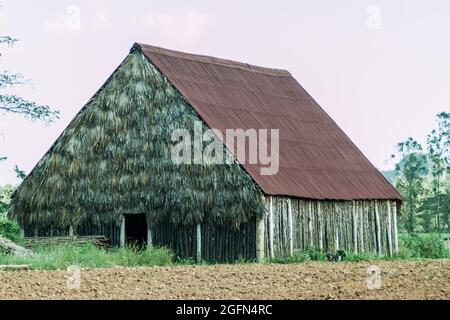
[(185, 28)]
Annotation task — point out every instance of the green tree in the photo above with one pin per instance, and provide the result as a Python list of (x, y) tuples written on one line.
[(438, 143), (13, 104), (10, 103), (411, 170)]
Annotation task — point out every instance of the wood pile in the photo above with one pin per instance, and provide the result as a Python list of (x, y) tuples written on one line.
[(100, 241)]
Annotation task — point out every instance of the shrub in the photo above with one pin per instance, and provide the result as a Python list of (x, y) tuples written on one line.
[(301, 256), (9, 229), (429, 246)]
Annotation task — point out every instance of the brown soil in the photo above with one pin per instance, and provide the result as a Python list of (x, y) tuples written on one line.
[(400, 280)]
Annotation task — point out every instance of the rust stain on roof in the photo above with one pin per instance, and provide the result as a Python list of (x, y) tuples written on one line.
[(317, 159)]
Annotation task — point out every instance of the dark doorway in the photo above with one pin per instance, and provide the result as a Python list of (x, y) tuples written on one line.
[(136, 230)]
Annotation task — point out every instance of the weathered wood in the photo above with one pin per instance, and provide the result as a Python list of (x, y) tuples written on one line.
[(291, 228), (271, 228), (15, 267), (377, 228), (10, 246), (70, 231), (122, 232), (199, 243), (260, 240), (394, 222), (149, 236), (361, 227), (310, 225), (389, 228), (101, 241), (22, 233), (355, 227), (320, 222)]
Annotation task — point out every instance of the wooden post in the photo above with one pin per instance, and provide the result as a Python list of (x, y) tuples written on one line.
[(36, 232), (355, 228), (336, 217), (310, 225), (22, 233), (70, 231), (271, 228), (394, 222), (378, 228), (260, 240), (149, 236), (122, 232), (361, 227), (319, 215), (291, 228), (199, 243), (389, 233)]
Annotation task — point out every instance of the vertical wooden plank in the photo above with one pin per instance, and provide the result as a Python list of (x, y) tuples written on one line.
[(199, 243), (259, 237), (291, 228), (70, 231), (260, 240), (150, 236), (271, 228), (389, 231), (355, 228), (394, 222), (338, 223), (361, 226), (378, 228), (36, 232), (310, 225), (320, 222), (122, 232)]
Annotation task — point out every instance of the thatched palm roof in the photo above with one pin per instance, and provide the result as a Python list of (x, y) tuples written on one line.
[(114, 158)]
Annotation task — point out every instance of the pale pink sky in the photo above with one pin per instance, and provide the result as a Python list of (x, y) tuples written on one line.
[(381, 69)]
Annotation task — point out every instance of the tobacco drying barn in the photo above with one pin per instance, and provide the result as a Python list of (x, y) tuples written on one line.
[(110, 172)]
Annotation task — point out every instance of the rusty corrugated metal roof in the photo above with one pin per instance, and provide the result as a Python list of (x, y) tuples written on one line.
[(317, 159)]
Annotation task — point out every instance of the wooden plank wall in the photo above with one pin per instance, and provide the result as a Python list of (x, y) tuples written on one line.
[(358, 226), (219, 243)]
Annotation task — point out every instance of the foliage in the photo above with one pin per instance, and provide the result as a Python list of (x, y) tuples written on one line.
[(90, 256), (301, 256), (9, 229), (411, 171), (15, 104), (429, 246), (5, 194), (438, 142)]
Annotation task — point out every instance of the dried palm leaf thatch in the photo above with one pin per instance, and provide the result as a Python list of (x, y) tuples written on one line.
[(115, 158)]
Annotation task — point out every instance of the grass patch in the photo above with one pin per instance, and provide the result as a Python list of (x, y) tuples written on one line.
[(301, 256), (90, 256)]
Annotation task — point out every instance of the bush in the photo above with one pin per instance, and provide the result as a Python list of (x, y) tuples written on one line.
[(9, 229), (429, 246), (301, 256)]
